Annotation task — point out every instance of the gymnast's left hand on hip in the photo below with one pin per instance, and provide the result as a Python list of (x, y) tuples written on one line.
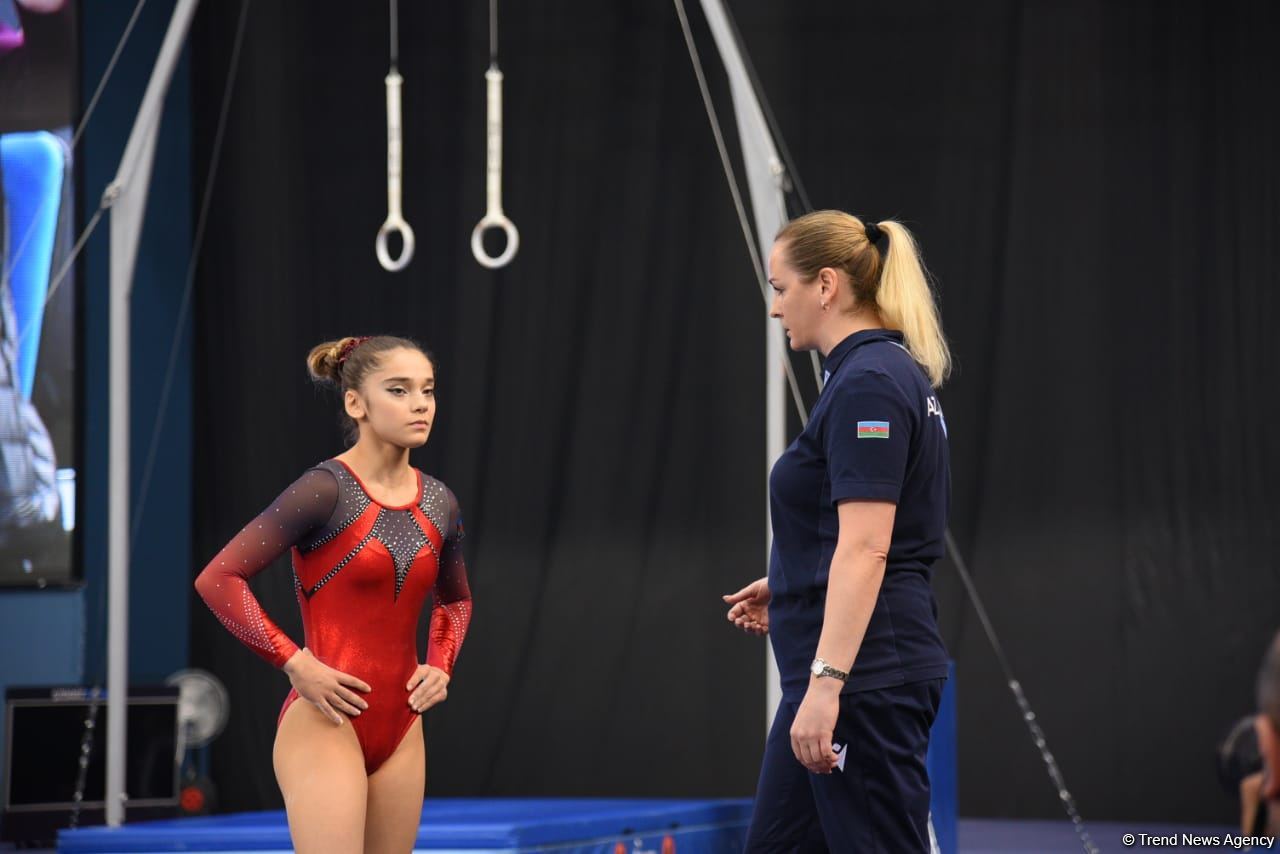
[(428, 687)]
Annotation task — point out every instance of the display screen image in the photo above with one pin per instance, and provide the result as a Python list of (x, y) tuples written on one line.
[(39, 396)]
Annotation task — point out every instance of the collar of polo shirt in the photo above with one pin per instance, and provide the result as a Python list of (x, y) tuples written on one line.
[(838, 353)]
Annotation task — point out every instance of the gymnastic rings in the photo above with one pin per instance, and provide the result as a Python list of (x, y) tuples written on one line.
[(394, 222), (494, 217)]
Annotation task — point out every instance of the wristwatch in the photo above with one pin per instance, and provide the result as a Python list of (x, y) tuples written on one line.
[(820, 668)]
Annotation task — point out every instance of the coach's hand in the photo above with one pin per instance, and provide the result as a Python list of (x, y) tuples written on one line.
[(815, 724), (749, 607)]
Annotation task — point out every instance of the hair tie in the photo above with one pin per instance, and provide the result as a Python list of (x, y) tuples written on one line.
[(345, 352), (873, 232)]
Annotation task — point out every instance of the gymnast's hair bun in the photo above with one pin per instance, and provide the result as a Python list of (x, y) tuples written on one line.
[(324, 361)]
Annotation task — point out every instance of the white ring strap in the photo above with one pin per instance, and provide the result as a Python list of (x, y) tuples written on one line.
[(394, 223), (494, 217)]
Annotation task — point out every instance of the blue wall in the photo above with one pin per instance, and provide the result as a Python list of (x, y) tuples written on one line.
[(42, 635), (59, 636)]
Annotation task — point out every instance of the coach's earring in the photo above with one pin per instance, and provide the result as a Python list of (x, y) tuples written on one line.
[(824, 306)]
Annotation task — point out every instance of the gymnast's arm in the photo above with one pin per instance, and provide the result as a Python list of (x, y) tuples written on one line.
[(224, 584), (450, 617), (301, 509), (451, 611)]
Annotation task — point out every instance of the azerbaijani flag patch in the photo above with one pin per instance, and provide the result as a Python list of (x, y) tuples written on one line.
[(873, 429)]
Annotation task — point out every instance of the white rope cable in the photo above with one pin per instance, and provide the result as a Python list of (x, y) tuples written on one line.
[(1028, 715), (106, 74), (493, 217)]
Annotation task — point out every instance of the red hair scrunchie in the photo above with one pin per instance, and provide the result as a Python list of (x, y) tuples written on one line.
[(351, 345)]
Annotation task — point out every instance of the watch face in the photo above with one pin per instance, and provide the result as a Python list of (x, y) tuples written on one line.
[(816, 667)]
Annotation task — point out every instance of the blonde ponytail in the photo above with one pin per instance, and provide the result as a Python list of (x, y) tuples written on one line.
[(906, 303), (893, 281)]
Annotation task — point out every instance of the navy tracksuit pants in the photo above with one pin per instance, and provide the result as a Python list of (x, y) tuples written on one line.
[(878, 803)]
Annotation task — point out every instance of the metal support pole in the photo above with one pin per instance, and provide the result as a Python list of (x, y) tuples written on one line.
[(127, 196)]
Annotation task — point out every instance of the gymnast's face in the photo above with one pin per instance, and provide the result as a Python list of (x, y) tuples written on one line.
[(796, 303), (397, 400)]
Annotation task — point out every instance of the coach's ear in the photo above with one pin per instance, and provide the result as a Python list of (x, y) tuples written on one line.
[(1269, 749)]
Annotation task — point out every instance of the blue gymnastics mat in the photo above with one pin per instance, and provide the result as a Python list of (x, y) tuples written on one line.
[(571, 826), (511, 825)]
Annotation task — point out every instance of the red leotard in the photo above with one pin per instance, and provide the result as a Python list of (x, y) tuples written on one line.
[(361, 571)]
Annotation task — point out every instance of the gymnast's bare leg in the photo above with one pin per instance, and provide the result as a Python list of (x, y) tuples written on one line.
[(394, 807), (320, 769)]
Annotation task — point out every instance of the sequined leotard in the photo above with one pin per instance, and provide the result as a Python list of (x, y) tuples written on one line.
[(361, 571)]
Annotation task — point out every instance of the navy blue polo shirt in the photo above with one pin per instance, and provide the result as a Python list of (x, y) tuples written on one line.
[(877, 433)]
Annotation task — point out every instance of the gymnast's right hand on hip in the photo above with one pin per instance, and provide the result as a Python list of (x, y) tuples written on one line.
[(749, 607), (327, 689)]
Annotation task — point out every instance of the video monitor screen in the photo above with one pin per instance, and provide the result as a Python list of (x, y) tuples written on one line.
[(39, 96), (45, 732)]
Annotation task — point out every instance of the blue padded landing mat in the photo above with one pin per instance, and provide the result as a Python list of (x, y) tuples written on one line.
[(565, 826)]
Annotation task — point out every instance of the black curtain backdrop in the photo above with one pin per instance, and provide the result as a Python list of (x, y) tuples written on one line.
[(1095, 186)]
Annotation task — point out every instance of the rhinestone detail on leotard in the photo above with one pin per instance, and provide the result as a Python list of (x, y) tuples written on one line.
[(341, 564), (352, 501), (435, 504), (400, 533), (255, 633)]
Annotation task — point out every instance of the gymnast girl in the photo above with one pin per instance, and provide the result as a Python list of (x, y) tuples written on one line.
[(370, 537)]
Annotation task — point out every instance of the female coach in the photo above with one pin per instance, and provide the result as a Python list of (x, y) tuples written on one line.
[(859, 509)]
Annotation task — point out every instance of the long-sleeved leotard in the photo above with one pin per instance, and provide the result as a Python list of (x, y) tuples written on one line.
[(361, 571)]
